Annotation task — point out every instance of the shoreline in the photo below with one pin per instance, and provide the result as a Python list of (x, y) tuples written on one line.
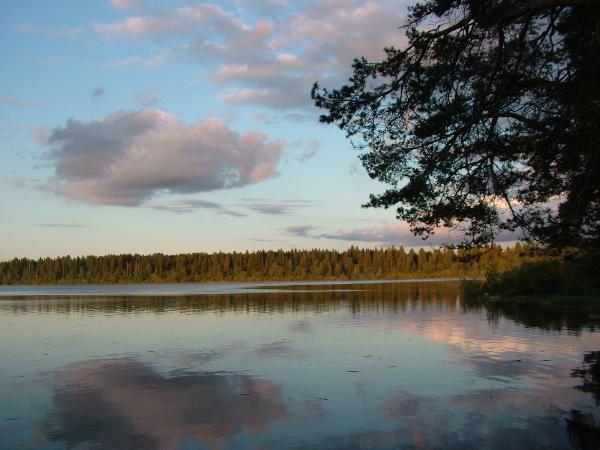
[(189, 288)]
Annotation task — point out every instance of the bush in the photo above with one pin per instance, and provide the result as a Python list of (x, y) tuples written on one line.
[(553, 277)]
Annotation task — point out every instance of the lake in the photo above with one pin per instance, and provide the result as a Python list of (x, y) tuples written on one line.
[(361, 365)]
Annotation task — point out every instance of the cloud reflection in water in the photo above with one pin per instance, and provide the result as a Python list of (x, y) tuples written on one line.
[(125, 403)]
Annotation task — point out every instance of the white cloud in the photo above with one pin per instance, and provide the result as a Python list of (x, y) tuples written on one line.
[(127, 157)]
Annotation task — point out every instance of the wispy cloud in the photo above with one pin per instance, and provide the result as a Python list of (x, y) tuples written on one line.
[(98, 93), (59, 225), (11, 101), (189, 205), (146, 98), (175, 22), (157, 59), (300, 230), (268, 240), (277, 208), (122, 5), (66, 32), (305, 149), (389, 234), (261, 117)]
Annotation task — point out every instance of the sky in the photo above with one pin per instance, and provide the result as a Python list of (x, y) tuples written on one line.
[(180, 126)]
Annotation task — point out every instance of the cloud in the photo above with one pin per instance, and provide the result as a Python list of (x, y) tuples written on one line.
[(299, 230), (60, 225), (271, 63), (129, 156), (68, 32), (146, 98), (179, 21), (122, 5), (272, 98), (11, 101), (98, 93), (228, 212), (268, 240), (189, 205), (318, 43), (277, 208), (269, 8), (277, 118), (301, 117), (184, 206), (40, 134), (153, 61), (263, 118), (308, 149), (389, 234)]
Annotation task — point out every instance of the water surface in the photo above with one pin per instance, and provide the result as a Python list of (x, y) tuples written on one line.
[(288, 365)]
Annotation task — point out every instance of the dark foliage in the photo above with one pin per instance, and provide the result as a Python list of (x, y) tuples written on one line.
[(488, 119), (583, 430), (553, 277), (590, 374)]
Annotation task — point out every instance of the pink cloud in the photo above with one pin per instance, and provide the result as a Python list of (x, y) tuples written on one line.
[(124, 4), (274, 63), (128, 157)]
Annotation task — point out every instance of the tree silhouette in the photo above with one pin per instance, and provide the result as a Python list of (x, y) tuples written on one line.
[(488, 119)]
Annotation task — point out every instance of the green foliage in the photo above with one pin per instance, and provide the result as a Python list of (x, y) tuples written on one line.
[(353, 263), (486, 118)]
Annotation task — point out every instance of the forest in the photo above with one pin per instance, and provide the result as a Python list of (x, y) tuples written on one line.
[(354, 263)]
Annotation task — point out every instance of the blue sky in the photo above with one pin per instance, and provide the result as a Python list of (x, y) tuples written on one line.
[(179, 126)]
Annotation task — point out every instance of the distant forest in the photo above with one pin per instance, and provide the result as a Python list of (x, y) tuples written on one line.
[(353, 263)]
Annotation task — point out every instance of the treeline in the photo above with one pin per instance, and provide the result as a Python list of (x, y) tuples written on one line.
[(353, 263)]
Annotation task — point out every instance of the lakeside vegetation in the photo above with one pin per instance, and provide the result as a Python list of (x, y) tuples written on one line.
[(572, 275), (262, 265), (553, 293)]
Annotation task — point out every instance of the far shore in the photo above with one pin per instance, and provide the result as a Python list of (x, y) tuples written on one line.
[(186, 288)]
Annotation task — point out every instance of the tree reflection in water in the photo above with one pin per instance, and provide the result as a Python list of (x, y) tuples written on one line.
[(583, 430)]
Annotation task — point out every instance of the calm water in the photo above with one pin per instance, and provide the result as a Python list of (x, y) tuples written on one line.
[(337, 366)]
